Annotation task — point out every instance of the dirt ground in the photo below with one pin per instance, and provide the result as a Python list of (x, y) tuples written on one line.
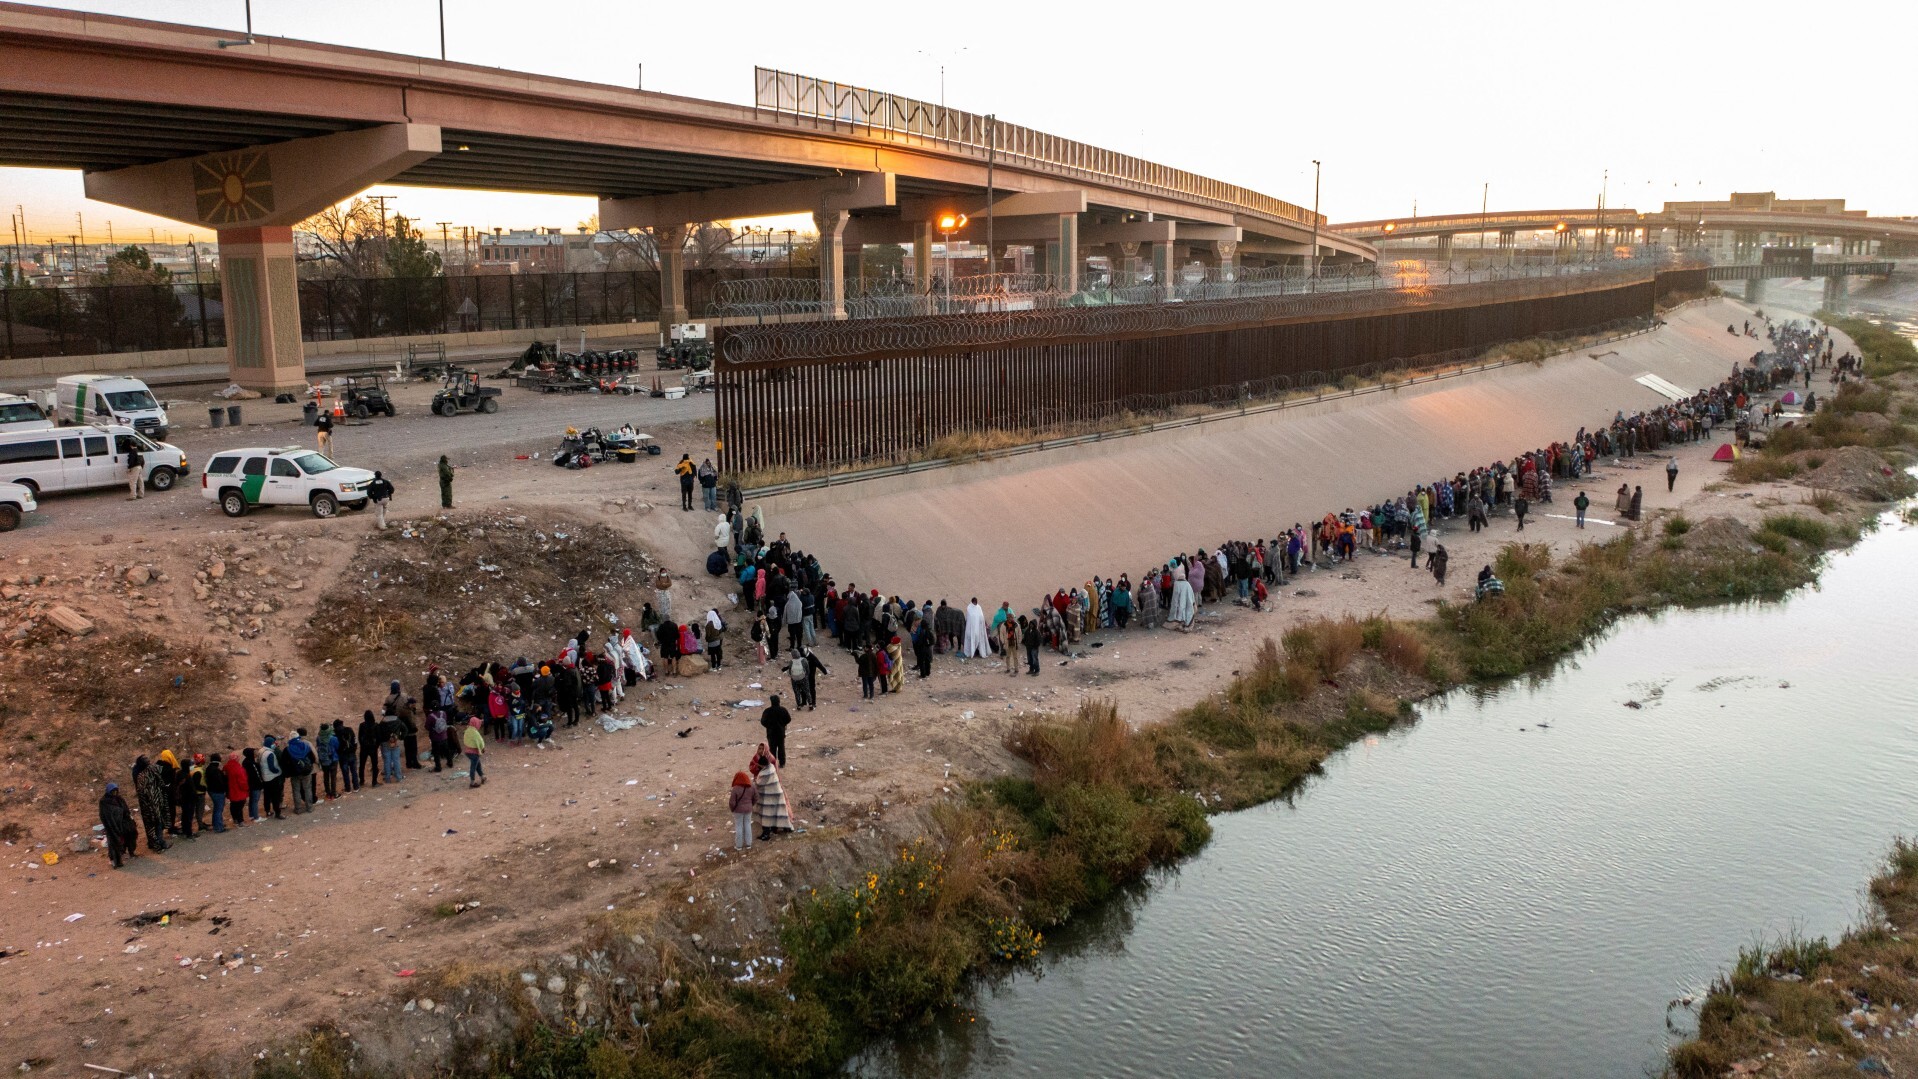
[(284, 924)]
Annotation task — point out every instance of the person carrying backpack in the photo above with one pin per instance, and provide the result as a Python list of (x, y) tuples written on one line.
[(299, 769), (347, 750), (326, 748), (273, 773)]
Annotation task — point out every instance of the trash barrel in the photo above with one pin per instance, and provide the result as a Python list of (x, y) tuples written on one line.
[(311, 414), (233, 415), (216, 416)]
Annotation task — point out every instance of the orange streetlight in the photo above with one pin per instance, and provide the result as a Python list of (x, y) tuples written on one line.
[(948, 224)]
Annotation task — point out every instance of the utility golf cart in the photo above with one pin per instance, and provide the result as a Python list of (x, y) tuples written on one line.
[(365, 395), (462, 392)]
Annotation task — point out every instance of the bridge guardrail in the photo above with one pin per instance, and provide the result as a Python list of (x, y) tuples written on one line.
[(790, 94)]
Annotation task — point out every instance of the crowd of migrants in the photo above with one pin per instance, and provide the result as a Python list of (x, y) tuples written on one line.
[(181, 796), (791, 600)]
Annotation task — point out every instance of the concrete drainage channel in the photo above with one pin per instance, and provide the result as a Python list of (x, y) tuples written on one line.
[(840, 479)]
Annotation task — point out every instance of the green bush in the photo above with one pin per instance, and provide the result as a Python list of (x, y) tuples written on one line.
[(1807, 530)]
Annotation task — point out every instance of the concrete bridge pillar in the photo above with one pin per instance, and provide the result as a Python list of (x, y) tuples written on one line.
[(1445, 247), (1062, 257), (260, 284), (832, 260), (1837, 293), (1507, 242), (1163, 261), (922, 255), (253, 198), (669, 244), (1755, 290), (1223, 256)]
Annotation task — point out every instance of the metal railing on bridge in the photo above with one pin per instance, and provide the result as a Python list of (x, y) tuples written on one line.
[(893, 115), (1754, 271)]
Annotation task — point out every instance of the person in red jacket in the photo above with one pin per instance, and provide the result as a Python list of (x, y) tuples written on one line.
[(236, 788)]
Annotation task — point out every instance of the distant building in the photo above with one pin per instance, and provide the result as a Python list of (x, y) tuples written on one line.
[(540, 251)]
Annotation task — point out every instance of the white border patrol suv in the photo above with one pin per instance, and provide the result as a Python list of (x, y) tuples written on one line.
[(290, 476)]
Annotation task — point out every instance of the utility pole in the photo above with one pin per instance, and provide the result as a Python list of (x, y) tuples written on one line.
[(381, 200), (1484, 201), (1315, 220), (443, 227), (80, 222), (1598, 234), (109, 233), (442, 29)]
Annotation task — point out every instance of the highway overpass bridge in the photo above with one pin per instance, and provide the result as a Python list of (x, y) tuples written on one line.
[(250, 137), (1684, 226)]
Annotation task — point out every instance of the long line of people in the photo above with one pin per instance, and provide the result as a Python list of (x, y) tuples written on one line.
[(792, 600)]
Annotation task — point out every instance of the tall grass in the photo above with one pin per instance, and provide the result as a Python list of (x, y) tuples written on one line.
[(1786, 996), (1886, 351)]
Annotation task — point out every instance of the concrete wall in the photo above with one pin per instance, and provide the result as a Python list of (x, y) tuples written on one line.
[(1039, 521)]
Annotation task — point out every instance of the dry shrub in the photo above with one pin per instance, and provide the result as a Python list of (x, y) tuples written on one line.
[(1405, 649), (1097, 746), (1325, 644)]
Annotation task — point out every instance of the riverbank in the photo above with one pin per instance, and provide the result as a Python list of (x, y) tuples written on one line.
[(1810, 1009), (1102, 801)]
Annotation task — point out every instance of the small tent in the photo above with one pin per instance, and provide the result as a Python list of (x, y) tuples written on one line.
[(1726, 452), (1790, 398)]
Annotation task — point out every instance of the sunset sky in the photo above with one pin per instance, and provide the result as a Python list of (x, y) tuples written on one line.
[(1401, 101)]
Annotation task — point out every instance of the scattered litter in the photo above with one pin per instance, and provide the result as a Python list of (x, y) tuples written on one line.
[(72, 917), (408, 973)]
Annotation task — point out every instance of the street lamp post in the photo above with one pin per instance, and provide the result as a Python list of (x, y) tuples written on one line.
[(992, 146), (1313, 263), (948, 224)]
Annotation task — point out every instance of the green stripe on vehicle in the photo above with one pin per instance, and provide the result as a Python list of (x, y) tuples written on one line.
[(251, 486)]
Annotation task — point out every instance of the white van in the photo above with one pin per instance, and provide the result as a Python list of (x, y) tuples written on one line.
[(78, 458), (106, 399), (19, 413)]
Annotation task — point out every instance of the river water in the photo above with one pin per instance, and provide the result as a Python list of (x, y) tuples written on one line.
[(1515, 884)]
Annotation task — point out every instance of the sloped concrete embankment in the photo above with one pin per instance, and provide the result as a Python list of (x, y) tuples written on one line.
[(1017, 527)]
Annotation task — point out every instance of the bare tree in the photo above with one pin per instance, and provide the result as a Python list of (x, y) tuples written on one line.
[(708, 246), (348, 239)]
